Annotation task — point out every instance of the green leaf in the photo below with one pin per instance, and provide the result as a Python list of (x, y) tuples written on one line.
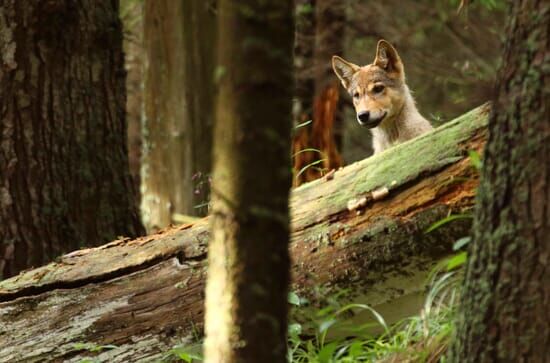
[(302, 124), (457, 261), (326, 324), (184, 353), (355, 349), (309, 149), (325, 311), (293, 298), (461, 242), (309, 166), (475, 159), (327, 352), (376, 314), (188, 357), (446, 220), (294, 329)]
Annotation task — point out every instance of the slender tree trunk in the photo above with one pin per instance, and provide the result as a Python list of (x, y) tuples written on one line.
[(248, 276), (131, 15), (322, 24), (304, 45), (330, 25), (178, 99), (505, 315), (64, 176), (200, 45)]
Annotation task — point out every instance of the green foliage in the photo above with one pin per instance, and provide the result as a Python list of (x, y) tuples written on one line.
[(188, 354), (295, 300), (461, 242), (305, 123), (459, 259), (456, 261), (446, 220), (414, 339), (310, 165), (475, 159)]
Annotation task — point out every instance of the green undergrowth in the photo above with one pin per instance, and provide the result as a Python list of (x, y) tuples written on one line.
[(421, 338)]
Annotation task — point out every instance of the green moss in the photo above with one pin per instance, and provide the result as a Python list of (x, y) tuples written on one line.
[(405, 162)]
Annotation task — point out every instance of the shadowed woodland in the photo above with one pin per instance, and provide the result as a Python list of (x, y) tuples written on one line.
[(326, 181)]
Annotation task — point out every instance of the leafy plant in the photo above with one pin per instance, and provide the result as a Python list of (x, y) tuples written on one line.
[(416, 339), (189, 354)]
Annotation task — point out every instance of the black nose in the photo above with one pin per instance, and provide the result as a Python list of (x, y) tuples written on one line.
[(363, 117)]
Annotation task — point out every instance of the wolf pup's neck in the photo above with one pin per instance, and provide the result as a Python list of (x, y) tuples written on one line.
[(407, 124)]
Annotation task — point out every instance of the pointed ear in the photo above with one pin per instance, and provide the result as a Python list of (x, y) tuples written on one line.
[(388, 59), (344, 70)]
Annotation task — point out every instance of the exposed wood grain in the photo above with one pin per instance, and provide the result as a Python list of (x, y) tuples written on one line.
[(146, 295)]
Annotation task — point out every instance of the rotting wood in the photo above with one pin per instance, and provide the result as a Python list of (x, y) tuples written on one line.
[(144, 296)]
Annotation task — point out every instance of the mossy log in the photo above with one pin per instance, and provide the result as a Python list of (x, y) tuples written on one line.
[(363, 228)]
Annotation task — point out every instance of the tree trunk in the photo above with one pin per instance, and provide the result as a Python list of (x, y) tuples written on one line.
[(304, 45), (146, 295), (248, 261), (505, 315), (64, 176), (177, 122), (329, 41), (322, 136), (131, 15)]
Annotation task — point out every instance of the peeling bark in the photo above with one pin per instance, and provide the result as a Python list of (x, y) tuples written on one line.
[(145, 295)]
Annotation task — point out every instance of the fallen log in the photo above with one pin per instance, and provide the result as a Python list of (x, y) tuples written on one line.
[(361, 227)]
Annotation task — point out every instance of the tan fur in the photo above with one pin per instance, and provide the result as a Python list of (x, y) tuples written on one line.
[(382, 100)]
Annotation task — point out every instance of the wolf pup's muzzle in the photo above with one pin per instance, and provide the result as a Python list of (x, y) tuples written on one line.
[(364, 118)]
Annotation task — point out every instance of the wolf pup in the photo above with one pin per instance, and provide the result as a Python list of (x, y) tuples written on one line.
[(382, 100)]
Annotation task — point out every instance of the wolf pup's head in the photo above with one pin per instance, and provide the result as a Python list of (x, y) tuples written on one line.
[(378, 89)]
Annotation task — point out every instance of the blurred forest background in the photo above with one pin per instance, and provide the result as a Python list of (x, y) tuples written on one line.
[(450, 54), (107, 113)]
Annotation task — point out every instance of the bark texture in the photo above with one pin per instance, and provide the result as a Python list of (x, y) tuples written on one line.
[(64, 176), (249, 266), (505, 315), (145, 296), (178, 107)]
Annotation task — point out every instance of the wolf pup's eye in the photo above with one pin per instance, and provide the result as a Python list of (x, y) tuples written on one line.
[(356, 95), (378, 88)]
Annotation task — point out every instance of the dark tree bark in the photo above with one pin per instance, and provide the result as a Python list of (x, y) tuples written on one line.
[(248, 274), (64, 176), (505, 315), (178, 113)]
